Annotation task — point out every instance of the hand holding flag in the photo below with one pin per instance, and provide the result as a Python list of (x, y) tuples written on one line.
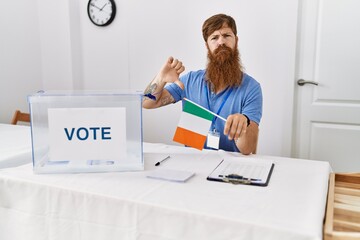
[(194, 125)]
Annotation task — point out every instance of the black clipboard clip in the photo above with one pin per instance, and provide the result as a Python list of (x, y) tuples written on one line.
[(237, 179)]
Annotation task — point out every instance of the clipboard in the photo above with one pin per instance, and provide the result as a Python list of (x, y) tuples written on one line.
[(236, 170)]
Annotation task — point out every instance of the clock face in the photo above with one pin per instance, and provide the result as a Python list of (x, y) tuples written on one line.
[(101, 12)]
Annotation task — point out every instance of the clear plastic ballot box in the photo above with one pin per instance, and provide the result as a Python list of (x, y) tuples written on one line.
[(86, 131)]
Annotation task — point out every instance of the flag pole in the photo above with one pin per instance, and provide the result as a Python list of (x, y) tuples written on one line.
[(205, 109)]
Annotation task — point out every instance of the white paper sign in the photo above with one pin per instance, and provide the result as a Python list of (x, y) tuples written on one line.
[(78, 134)]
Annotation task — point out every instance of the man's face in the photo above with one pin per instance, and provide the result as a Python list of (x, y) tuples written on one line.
[(224, 65), (221, 37)]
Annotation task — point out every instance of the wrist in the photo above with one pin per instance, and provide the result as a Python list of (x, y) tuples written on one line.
[(180, 84), (159, 81), (248, 119)]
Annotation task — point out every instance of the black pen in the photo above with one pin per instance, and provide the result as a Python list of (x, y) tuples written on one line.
[(158, 163)]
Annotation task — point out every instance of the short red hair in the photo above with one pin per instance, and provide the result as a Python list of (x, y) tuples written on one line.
[(216, 22)]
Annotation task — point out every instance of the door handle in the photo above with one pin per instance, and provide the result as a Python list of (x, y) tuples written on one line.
[(302, 82)]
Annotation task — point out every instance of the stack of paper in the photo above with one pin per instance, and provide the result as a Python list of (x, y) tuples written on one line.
[(171, 175)]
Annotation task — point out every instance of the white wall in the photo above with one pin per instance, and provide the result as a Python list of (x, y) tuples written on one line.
[(72, 53), (20, 55)]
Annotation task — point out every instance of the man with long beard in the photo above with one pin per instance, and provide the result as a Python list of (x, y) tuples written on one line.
[(223, 88)]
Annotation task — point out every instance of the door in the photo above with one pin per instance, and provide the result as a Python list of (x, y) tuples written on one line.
[(327, 116)]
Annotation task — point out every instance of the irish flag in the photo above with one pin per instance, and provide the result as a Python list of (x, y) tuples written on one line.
[(194, 125)]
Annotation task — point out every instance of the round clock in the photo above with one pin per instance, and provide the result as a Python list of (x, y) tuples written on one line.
[(101, 12)]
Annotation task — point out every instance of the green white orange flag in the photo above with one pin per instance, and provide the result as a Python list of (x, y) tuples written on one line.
[(194, 125)]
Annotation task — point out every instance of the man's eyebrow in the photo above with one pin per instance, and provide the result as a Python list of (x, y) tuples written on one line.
[(215, 34), (218, 33)]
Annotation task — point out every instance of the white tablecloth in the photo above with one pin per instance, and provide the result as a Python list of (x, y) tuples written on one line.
[(128, 205), (15, 145)]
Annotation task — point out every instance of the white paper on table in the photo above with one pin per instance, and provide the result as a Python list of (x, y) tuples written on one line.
[(171, 175)]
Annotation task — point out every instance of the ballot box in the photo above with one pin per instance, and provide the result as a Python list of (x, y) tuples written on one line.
[(86, 131)]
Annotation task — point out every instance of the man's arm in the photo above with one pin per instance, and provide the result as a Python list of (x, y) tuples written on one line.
[(155, 94), (245, 136), (247, 141)]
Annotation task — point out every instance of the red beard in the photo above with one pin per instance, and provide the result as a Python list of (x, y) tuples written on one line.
[(224, 68)]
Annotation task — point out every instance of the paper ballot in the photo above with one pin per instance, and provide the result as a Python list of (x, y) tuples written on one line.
[(243, 171), (171, 175)]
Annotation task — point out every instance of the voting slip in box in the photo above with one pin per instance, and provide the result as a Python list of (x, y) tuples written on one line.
[(85, 131), (343, 207)]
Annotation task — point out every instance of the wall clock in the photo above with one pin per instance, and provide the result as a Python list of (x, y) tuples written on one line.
[(101, 12)]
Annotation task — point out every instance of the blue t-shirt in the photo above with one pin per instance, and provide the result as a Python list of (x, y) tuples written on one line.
[(245, 99)]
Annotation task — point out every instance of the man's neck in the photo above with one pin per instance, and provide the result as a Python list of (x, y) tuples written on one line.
[(219, 89)]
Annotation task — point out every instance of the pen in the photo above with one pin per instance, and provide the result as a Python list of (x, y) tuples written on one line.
[(158, 163)]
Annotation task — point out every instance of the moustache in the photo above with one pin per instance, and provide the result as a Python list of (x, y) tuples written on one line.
[(221, 49)]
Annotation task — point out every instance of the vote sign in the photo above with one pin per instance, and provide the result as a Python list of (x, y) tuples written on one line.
[(78, 134)]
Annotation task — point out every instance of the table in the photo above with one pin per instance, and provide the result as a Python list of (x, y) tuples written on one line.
[(128, 205), (15, 145)]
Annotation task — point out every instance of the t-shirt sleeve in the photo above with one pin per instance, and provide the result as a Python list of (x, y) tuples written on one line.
[(176, 92), (253, 103)]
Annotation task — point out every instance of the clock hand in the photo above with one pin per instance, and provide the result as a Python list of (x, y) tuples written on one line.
[(103, 7), (93, 4)]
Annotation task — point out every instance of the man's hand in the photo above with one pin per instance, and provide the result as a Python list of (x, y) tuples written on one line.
[(155, 94), (171, 71), (235, 126)]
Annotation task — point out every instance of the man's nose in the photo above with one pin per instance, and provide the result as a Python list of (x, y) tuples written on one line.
[(221, 41)]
